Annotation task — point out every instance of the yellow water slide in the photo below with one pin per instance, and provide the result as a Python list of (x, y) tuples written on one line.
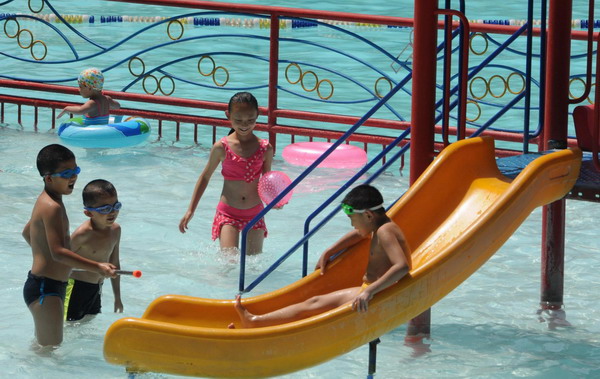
[(455, 216)]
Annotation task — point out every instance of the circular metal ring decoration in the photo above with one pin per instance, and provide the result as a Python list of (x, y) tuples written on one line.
[(588, 98), (169, 29), (571, 82), (172, 85), (213, 71), (45, 50), (377, 93), (35, 11), (214, 66), (487, 87), (19, 38), (299, 73), (471, 43), (214, 74), (18, 27), (319, 89), (508, 83), (504, 88), (478, 111), (32, 40), (144, 84), (143, 67), (302, 81), (505, 85)]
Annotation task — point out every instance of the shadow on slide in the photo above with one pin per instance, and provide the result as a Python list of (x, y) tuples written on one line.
[(455, 216)]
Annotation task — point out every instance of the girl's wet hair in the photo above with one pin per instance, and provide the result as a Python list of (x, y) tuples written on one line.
[(96, 189), (51, 156), (243, 98), (364, 196)]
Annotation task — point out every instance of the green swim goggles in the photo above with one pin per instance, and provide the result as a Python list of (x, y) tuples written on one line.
[(349, 209)]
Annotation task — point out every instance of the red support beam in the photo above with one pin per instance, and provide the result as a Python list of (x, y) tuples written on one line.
[(423, 117), (557, 72), (555, 135), (273, 78), (423, 87)]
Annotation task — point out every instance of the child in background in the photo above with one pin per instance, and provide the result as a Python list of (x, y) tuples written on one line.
[(389, 261), (47, 232), (96, 110), (96, 239), (244, 158)]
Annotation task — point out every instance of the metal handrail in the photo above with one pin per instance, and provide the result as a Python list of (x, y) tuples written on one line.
[(301, 177)]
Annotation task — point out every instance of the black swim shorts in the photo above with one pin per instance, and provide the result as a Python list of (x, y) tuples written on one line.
[(38, 287), (83, 298)]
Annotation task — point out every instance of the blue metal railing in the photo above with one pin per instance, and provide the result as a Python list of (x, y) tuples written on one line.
[(164, 66), (301, 177)]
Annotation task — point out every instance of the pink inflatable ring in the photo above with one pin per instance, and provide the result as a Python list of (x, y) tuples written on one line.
[(305, 153)]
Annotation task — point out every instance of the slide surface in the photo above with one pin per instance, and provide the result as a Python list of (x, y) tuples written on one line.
[(455, 216)]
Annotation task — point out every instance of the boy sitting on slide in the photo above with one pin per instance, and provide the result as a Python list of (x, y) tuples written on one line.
[(389, 261)]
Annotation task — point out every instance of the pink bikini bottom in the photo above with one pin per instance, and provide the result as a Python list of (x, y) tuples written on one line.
[(239, 218)]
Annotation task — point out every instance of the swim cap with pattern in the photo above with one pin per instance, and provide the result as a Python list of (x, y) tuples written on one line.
[(93, 78)]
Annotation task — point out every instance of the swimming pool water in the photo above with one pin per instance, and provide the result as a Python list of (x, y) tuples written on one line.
[(487, 327)]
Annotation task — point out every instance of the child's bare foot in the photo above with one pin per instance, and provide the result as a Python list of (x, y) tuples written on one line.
[(245, 316)]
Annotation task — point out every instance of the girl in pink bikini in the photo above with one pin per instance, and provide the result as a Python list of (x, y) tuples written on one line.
[(244, 158)]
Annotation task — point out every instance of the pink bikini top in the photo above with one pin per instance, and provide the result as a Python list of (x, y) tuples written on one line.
[(249, 169)]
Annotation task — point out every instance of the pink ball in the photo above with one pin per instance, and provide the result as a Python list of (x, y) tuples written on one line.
[(272, 184)]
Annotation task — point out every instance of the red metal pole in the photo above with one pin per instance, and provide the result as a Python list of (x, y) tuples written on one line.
[(555, 135), (589, 58), (557, 72), (462, 117), (596, 129), (423, 87), (553, 255), (273, 79), (423, 117)]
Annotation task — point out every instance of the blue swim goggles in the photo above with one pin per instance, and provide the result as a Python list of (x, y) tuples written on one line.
[(349, 209), (68, 173), (105, 209)]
